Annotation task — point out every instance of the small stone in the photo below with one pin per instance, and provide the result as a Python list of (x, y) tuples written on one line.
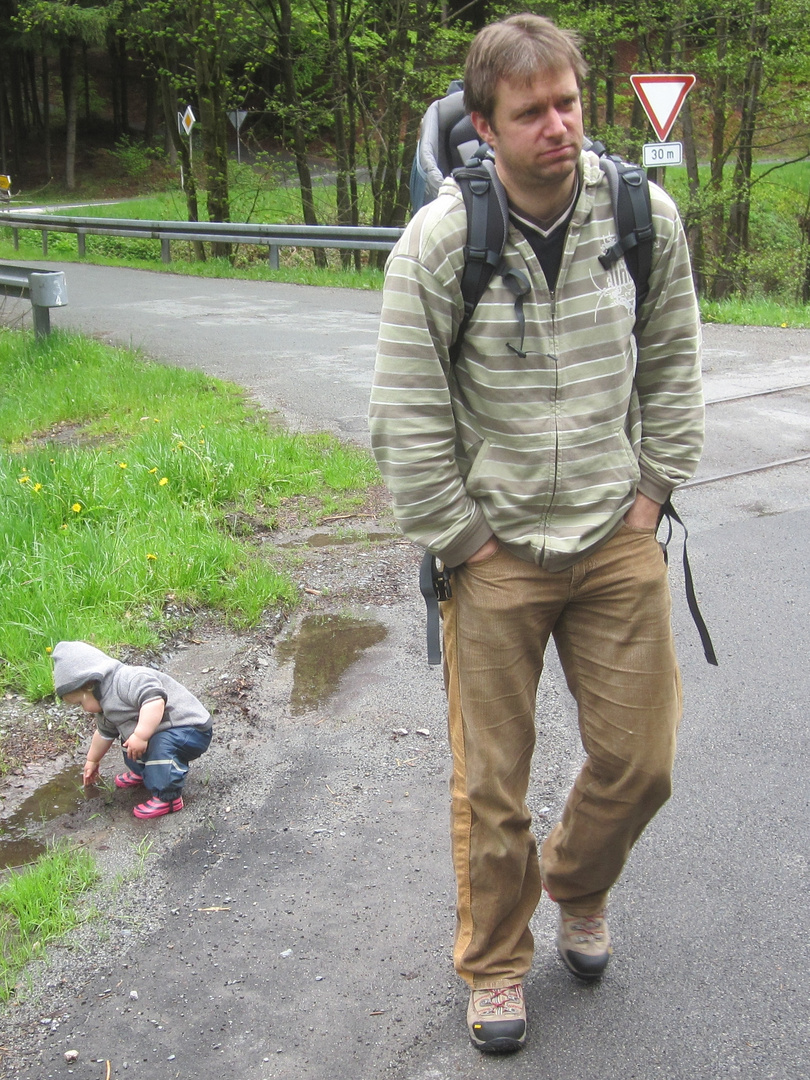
[(133, 995), (71, 1056)]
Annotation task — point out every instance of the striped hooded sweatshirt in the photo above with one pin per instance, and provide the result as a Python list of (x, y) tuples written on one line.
[(545, 451)]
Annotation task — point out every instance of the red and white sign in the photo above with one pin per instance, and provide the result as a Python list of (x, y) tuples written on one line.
[(662, 97)]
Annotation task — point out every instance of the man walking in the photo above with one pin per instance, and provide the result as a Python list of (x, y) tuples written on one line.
[(535, 466)]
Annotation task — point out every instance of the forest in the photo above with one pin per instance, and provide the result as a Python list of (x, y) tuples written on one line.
[(347, 81)]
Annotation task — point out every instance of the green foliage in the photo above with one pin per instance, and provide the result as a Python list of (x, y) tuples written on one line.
[(63, 21), (134, 158), (38, 905), (120, 482)]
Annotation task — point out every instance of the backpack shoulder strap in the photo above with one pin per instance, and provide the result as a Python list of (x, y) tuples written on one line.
[(632, 211), (487, 229)]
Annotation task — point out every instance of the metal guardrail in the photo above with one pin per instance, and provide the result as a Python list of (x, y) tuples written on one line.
[(273, 237), (44, 288)]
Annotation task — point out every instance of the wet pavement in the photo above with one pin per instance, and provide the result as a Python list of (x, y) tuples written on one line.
[(300, 912)]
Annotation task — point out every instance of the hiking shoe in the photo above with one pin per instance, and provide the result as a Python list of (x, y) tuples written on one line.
[(128, 780), (156, 807), (496, 1018), (583, 942)]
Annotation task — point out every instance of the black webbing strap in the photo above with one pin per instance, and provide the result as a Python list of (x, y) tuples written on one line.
[(487, 228), (669, 512), (631, 195), (434, 583)]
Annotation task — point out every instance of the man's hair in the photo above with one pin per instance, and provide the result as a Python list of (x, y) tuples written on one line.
[(516, 49)]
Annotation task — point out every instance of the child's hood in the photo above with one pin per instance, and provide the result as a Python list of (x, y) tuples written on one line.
[(75, 664)]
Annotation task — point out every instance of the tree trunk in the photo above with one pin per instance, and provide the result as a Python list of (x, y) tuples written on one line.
[(718, 160), (210, 81), (610, 90), (737, 241), (337, 80), (283, 16), (168, 97), (150, 120), (46, 115), (67, 56), (351, 116), (692, 222)]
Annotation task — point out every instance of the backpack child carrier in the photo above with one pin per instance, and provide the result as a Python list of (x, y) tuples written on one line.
[(449, 144)]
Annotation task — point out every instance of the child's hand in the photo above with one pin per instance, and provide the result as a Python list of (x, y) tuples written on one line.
[(135, 746), (90, 773)]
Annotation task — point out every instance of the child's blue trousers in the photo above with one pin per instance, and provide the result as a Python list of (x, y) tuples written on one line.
[(164, 766)]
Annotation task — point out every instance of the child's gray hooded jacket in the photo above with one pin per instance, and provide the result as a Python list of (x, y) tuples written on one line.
[(121, 690)]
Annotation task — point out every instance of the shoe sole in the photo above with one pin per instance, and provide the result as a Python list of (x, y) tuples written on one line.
[(499, 1046)]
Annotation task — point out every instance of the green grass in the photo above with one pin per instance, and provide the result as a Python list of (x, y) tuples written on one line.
[(126, 483), (39, 904), (256, 197), (737, 311)]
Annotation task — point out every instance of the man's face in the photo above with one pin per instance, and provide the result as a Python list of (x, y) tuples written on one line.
[(535, 131)]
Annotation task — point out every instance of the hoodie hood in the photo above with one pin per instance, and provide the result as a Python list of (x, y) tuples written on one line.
[(75, 664)]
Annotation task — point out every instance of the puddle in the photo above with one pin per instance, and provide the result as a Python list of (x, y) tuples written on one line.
[(320, 540), (20, 834), (324, 647)]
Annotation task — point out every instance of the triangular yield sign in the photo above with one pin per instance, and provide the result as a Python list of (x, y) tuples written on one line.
[(662, 97)]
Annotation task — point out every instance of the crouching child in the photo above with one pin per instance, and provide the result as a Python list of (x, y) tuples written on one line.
[(161, 725)]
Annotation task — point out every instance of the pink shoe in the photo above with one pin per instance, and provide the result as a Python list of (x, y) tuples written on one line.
[(156, 807), (128, 780)]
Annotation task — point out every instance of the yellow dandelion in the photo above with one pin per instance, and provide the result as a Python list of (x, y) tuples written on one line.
[(37, 487), (122, 464), (152, 471), (180, 445), (149, 555), (48, 649), (64, 526), (25, 480), (76, 508), (163, 481)]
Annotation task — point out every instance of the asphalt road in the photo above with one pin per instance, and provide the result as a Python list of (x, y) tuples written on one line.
[(328, 874)]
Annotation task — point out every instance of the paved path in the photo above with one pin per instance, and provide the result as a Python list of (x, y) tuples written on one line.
[(338, 851)]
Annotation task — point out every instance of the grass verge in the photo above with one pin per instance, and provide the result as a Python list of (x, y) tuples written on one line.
[(38, 904), (128, 484)]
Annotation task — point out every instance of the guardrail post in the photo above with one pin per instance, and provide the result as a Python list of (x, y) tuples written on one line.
[(15, 239), (272, 256), (80, 239), (165, 250), (44, 241), (47, 289)]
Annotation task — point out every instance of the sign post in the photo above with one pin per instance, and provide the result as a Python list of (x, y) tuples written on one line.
[(237, 118), (661, 97)]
